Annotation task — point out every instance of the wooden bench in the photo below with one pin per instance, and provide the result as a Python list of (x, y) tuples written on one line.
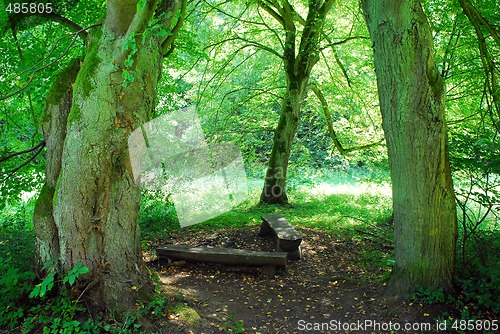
[(228, 256), (289, 238)]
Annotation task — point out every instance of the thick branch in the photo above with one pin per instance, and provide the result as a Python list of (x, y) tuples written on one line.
[(10, 156), (331, 131), (168, 44), (329, 122), (272, 12), (138, 23), (290, 34), (14, 20), (477, 19), (479, 22)]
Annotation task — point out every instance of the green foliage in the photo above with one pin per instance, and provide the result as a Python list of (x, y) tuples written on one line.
[(74, 273), (43, 287), (481, 285), (157, 215), (429, 296), (48, 282), (14, 286), (232, 325)]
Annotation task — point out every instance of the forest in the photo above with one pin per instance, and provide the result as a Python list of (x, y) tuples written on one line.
[(249, 166)]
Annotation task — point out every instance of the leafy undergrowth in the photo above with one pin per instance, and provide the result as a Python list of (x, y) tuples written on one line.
[(347, 258)]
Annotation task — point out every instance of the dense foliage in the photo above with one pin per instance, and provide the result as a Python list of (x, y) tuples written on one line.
[(225, 65)]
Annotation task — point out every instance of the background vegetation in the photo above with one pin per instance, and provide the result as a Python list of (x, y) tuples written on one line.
[(222, 67)]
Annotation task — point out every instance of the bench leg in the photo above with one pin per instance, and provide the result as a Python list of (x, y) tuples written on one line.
[(265, 229), (294, 255)]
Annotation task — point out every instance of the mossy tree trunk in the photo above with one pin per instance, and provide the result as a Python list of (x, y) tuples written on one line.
[(298, 64), (412, 97), (95, 200), (58, 105)]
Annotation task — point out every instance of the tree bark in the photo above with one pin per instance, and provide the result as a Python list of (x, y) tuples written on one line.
[(96, 199), (54, 123), (274, 191), (412, 97), (298, 65), (87, 212)]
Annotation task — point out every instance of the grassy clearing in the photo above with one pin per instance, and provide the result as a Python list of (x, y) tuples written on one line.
[(337, 202), (352, 204)]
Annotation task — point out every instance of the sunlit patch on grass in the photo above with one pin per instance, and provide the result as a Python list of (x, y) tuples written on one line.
[(327, 189)]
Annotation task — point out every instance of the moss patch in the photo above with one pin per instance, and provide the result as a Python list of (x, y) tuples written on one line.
[(44, 205), (63, 82), (90, 63), (74, 114), (189, 316)]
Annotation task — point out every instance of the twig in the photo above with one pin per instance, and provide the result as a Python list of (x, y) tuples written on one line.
[(2, 159), (24, 164)]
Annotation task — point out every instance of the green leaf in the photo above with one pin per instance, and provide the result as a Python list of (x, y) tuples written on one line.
[(129, 62), (45, 286), (74, 273), (140, 6), (36, 291)]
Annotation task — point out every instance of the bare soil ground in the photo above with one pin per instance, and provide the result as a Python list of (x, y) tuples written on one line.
[(331, 288)]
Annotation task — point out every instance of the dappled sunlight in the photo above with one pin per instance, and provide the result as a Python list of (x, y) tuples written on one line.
[(327, 189)]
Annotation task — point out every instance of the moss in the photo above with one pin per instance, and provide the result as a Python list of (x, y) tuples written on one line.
[(74, 114), (63, 81), (60, 87), (43, 206), (90, 63), (189, 316), (56, 191)]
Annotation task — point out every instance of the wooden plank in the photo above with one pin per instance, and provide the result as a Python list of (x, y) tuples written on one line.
[(289, 238), (228, 256)]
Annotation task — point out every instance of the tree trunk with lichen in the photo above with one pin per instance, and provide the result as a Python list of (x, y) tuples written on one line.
[(87, 211), (274, 191), (298, 64), (96, 199), (58, 105), (412, 97)]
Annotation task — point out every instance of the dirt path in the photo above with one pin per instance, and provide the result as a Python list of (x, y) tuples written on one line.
[(332, 286)]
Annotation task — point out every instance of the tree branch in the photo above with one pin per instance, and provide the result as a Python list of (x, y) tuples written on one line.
[(45, 66), (331, 131), (168, 43), (329, 122), (273, 13), (10, 156), (260, 46), (40, 148), (345, 40), (14, 20), (477, 19)]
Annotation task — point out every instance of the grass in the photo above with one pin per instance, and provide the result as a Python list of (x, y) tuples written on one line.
[(353, 203), (336, 202)]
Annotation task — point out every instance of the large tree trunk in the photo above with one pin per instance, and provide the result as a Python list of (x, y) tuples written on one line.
[(298, 65), (58, 105), (87, 211), (96, 199), (412, 95), (274, 191)]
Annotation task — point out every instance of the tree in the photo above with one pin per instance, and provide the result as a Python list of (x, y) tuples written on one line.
[(87, 210), (298, 64), (412, 97)]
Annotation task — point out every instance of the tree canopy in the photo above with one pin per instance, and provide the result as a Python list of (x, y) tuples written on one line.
[(409, 89)]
